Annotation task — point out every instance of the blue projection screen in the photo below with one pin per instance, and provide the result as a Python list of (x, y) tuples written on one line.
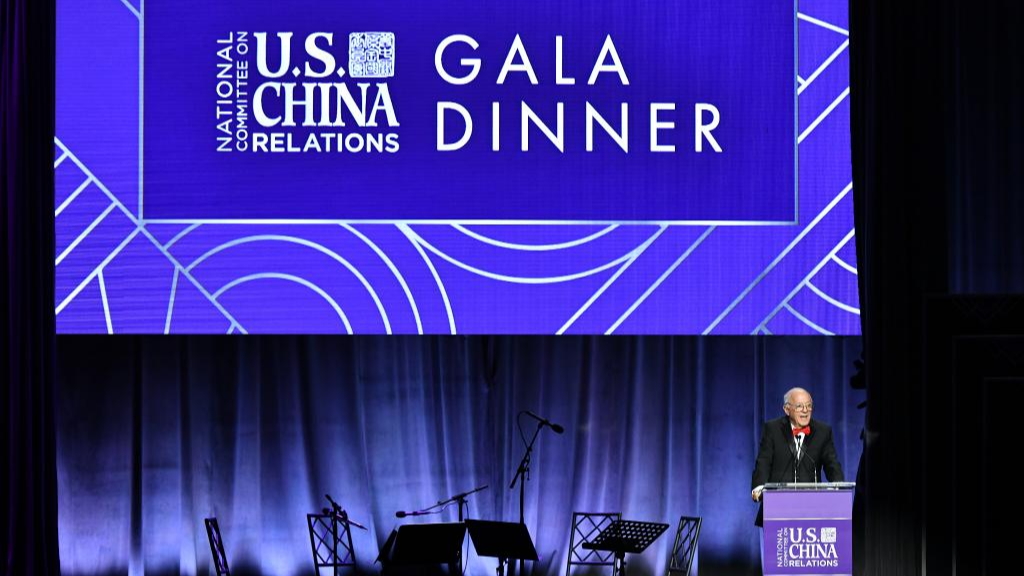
[(405, 167)]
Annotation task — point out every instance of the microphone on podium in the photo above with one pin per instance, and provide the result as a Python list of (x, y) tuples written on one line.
[(799, 441)]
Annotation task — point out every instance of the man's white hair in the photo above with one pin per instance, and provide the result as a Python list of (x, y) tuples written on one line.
[(789, 395)]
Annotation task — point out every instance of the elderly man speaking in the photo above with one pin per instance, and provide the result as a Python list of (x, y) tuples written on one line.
[(794, 448)]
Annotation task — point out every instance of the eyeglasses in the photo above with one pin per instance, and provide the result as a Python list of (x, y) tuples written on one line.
[(801, 407)]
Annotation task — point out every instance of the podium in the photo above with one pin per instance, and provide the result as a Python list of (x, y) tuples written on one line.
[(808, 528)]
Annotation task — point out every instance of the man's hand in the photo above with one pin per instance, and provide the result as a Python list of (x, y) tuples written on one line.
[(755, 494)]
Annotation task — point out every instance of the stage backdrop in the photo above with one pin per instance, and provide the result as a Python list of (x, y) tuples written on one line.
[(410, 167), (155, 433)]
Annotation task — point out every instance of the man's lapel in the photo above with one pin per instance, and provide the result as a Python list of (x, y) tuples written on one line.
[(787, 433)]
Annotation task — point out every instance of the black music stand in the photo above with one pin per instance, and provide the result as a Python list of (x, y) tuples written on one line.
[(502, 540), (220, 559), (685, 546), (330, 538), (626, 536), (423, 545), (585, 527)]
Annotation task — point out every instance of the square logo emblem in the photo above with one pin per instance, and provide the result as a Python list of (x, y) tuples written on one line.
[(828, 535), (371, 54)]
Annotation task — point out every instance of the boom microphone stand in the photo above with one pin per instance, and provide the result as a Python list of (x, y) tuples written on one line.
[(523, 471)]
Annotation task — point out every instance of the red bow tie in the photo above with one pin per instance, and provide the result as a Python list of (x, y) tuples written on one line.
[(806, 431)]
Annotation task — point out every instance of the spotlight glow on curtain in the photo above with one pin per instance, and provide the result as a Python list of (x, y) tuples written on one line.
[(159, 433)]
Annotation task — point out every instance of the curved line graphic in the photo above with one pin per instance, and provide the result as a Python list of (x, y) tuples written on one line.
[(850, 268), (308, 244), (842, 306), (394, 270), (805, 281), (433, 271), (180, 235), (517, 279), (534, 247), (593, 298), (290, 278), (809, 324), (824, 212)]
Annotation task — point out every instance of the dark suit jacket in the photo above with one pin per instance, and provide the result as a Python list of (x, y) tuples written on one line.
[(776, 458)]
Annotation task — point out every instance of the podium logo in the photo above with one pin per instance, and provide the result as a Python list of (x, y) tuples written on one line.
[(809, 547)]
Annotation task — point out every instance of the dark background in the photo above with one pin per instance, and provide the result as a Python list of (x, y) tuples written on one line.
[(937, 129)]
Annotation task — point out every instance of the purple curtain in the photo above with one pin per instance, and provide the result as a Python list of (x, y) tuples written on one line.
[(157, 432)]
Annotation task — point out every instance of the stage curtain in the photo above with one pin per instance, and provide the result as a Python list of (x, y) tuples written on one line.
[(156, 433), (28, 488), (938, 138)]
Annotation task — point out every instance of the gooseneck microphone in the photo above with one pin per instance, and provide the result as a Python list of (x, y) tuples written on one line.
[(800, 453), (799, 441), (814, 467)]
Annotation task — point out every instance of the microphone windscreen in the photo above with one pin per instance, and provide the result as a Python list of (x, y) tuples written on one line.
[(400, 514), (557, 429)]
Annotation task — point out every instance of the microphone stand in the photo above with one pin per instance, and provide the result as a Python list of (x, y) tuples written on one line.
[(341, 514), (440, 507), (522, 475), (443, 504), (461, 500)]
